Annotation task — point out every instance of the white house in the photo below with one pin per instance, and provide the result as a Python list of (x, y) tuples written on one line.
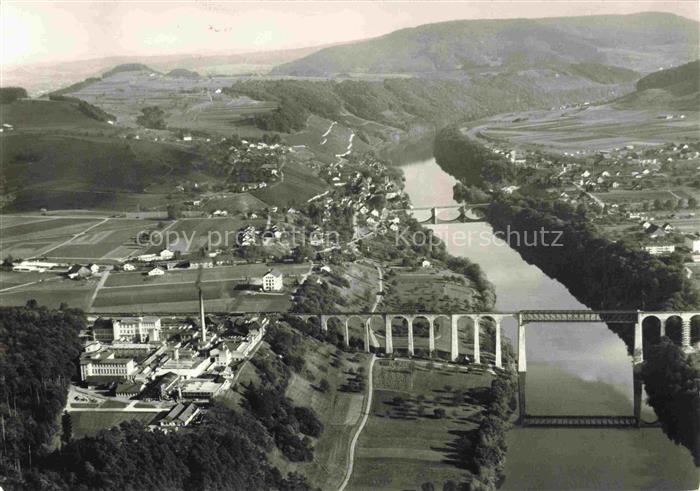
[(658, 250), (156, 272), (129, 267), (273, 281), (166, 254), (692, 242)]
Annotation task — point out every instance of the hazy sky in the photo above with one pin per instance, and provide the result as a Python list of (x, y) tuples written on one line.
[(57, 31)]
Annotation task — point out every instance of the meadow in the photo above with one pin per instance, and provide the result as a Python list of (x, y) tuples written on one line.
[(589, 129), (299, 185), (404, 445)]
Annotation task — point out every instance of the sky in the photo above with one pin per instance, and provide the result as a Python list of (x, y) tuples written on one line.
[(39, 31)]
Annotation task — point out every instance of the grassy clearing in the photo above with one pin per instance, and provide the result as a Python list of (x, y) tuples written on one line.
[(339, 412), (52, 293), (299, 185), (402, 445), (433, 290), (90, 423)]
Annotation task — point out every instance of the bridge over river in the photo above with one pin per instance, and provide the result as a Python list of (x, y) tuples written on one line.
[(629, 319)]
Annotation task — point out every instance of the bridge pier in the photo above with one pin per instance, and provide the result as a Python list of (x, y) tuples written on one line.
[(434, 216), (431, 336), (522, 368), (499, 358), (388, 335), (411, 350), (637, 384), (477, 350), (638, 355), (454, 334), (685, 338)]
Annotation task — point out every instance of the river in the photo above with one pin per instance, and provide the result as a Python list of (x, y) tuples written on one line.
[(572, 369)]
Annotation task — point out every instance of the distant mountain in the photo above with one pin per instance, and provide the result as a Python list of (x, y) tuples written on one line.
[(673, 89), (49, 77), (642, 42), (183, 73), (128, 67)]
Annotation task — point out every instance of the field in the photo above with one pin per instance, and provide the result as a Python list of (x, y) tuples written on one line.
[(89, 423), (339, 411), (79, 171), (189, 103), (32, 236), (299, 185), (403, 444), (190, 234), (51, 292), (176, 292), (48, 115), (72, 239), (433, 290), (638, 197), (588, 129)]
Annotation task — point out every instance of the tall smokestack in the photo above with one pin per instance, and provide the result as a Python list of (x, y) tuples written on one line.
[(201, 315), (198, 284)]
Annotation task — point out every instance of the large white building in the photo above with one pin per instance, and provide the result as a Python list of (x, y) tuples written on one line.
[(273, 281), (107, 364), (141, 329)]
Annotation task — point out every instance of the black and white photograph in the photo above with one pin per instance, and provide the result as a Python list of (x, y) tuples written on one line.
[(363, 245)]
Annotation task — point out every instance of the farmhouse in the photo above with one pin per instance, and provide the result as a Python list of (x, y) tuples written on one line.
[(77, 272), (692, 242), (273, 281), (156, 272), (129, 267)]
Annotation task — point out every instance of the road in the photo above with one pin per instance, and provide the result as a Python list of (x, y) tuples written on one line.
[(365, 415), (368, 400), (100, 284)]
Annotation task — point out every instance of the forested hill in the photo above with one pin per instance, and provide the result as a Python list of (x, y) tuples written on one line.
[(681, 80), (677, 88), (643, 42)]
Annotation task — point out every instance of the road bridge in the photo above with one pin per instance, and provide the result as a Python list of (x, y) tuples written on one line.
[(467, 213)]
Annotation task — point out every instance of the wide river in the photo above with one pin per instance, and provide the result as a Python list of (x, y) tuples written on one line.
[(572, 369)]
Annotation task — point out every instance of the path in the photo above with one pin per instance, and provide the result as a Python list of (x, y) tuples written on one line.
[(45, 252), (100, 284), (365, 415), (10, 288)]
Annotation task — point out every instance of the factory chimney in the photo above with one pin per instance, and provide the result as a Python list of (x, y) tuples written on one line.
[(202, 319)]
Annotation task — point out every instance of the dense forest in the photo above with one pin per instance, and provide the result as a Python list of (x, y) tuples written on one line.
[(469, 160), (38, 351), (11, 94)]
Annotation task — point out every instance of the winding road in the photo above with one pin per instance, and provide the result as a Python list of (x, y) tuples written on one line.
[(368, 402)]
